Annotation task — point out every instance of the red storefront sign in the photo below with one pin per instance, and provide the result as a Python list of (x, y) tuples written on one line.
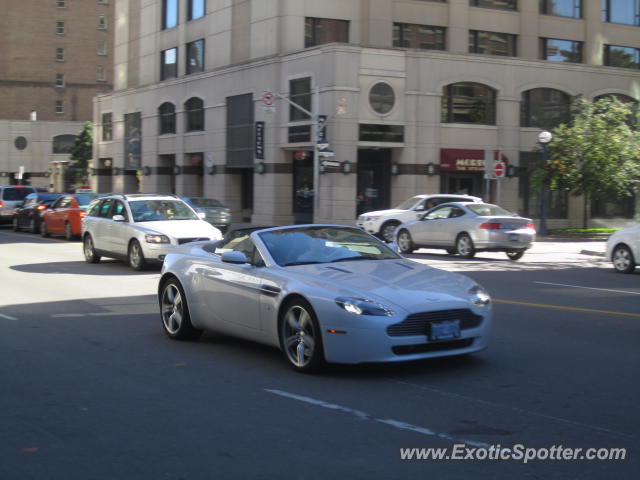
[(464, 160)]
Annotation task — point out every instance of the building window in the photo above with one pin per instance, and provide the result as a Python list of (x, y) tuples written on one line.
[(504, 4), (611, 205), (626, 12), (382, 98), (195, 57), (195, 9), (169, 64), (556, 50), (619, 56), (194, 110), (102, 22), (132, 140), (318, 31), (492, 43), (169, 13), (59, 54), (562, 8), (101, 74), (63, 143), (107, 127), (59, 80), (240, 134), (60, 28), (101, 47), (167, 118), (61, 3), (425, 37), (468, 102), (544, 108), (59, 107), (300, 94)]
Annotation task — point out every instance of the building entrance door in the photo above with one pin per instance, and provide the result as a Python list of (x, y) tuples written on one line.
[(463, 184), (303, 187), (374, 180)]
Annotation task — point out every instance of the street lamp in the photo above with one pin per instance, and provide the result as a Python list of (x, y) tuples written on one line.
[(544, 138)]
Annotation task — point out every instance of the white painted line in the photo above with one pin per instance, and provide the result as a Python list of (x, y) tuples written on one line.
[(7, 317), (588, 288), (515, 409), (365, 416)]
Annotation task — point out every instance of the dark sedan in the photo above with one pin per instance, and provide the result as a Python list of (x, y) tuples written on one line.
[(215, 212), (28, 215)]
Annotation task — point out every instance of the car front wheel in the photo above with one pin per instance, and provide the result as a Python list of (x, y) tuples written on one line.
[(464, 246), (623, 260), (405, 242), (300, 337), (174, 311), (387, 231), (136, 256), (90, 254), (515, 254)]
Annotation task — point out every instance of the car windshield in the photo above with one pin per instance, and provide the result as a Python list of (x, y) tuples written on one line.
[(159, 210), (407, 204), (14, 194), (486, 210), (307, 245), (204, 202)]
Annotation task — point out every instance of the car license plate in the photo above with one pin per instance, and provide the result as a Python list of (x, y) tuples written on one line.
[(444, 330), (514, 237)]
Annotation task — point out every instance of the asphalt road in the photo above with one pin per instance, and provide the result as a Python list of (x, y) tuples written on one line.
[(91, 388)]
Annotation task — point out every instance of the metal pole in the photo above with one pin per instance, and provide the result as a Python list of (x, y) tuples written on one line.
[(543, 192), (315, 109)]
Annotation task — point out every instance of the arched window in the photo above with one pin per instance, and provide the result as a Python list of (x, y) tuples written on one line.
[(544, 108), (63, 143), (467, 102), (618, 96), (167, 118), (194, 109)]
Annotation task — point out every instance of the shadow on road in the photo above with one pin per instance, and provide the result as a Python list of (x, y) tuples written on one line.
[(80, 267)]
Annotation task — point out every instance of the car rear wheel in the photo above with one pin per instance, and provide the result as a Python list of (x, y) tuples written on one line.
[(90, 254), (515, 254), (387, 230), (464, 246), (33, 226), (68, 234), (623, 260), (136, 256), (300, 337), (174, 311), (405, 242), (44, 231)]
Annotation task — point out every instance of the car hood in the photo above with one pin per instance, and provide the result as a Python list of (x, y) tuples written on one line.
[(392, 211), (182, 228), (402, 283)]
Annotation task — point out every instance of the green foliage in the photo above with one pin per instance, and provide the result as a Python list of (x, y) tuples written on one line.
[(81, 153), (585, 230)]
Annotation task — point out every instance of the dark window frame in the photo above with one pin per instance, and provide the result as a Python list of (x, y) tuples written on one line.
[(194, 115), (546, 8), (493, 4), (240, 138), (412, 30), (199, 67), (607, 56), (191, 9), (577, 52), (107, 127), (606, 13), (168, 71), (489, 104), (313, 29), (528, 106), (166, 119), (511, 40), (170, 7)]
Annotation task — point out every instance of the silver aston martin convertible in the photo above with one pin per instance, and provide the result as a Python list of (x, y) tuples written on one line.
[(321, 293)]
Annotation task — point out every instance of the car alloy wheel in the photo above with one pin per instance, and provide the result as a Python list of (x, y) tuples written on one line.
[(175, 312), (89, 252), (136, 256), (515, 254), (405, 243), (300, 337), (623, 260), (387, 231), (465, 247), (44, 231)]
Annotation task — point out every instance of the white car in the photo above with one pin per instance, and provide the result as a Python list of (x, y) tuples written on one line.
[(141, 228), (383, 223), (623, 249), (322, 293)]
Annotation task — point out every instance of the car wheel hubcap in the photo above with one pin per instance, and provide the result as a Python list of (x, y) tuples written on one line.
[(88, 248), (403, 241), (387, 232), (299, 341), (172, 309), (135, 255), (621, 259), (464, 246)]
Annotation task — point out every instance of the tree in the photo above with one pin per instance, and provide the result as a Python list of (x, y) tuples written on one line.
[(597, 154), (81, 153)]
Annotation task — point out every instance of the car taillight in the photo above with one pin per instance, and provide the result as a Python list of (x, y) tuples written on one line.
[(83, 214), (41, 207), (1, 204), (530, 225), (491, 226)]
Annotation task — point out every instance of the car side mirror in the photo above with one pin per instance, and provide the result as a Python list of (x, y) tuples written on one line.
[(118, 218), (234, 257)]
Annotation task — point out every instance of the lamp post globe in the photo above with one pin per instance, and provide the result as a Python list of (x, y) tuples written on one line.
[(545, 137)]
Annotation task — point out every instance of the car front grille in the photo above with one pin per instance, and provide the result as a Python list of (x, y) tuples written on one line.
[(432, 347), (416, 324), (189, 240)]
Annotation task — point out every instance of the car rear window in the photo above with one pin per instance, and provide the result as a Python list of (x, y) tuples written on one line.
[(14, 194)]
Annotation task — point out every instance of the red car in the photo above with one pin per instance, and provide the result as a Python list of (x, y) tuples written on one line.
[(64, 217)]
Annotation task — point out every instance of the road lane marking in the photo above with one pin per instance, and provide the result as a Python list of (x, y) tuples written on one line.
[(7, 317), (588, 288), (515, 409), (365, 416), (563, 307)]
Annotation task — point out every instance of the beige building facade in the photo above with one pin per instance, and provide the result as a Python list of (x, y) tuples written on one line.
[(412, 96), (56, 56)]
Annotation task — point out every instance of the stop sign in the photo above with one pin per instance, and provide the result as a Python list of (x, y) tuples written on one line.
[(499, 169)]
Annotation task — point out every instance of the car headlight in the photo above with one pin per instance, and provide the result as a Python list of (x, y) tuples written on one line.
[(479, 296), (362, 306), (156, 238)]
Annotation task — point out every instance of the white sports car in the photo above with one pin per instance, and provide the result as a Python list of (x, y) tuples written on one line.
[(321, 293)]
